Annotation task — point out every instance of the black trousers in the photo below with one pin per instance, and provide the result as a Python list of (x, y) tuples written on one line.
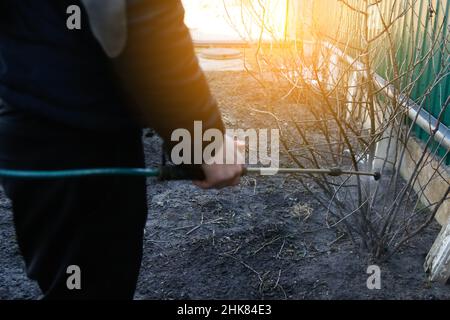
[(94, 223)]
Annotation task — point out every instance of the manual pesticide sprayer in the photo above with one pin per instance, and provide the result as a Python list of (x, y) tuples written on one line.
[(170, 172)]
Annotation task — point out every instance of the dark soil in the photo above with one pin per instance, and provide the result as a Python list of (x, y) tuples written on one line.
[(265, 239)]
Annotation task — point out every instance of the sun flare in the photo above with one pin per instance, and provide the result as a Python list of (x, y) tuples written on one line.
[(236, 19)]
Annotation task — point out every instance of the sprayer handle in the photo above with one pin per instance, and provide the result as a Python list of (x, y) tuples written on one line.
[(181, 172), (185, 172)]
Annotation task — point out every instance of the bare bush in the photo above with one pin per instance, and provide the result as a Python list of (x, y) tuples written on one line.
[(355, 118)]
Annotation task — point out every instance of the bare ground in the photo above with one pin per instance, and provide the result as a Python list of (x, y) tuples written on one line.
[(265, 239)]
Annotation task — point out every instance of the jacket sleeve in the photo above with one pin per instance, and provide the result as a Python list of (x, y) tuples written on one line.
[(161, 72)]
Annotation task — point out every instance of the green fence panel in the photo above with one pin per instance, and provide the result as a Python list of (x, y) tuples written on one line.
[(422, 37)]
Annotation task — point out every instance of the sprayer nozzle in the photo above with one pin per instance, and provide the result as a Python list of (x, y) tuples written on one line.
[(377, 176)]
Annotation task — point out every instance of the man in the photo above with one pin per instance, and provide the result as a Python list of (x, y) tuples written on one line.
[(70, 99)]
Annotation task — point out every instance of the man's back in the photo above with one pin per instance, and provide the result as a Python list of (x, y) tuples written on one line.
[(64, 110)]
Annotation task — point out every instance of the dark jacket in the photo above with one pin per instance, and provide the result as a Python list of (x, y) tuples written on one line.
[(64, 76)]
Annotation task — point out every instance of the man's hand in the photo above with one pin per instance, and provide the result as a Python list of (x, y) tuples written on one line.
[(224, 175)]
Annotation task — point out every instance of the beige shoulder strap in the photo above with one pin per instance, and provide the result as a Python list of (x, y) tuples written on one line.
[(108, 21)]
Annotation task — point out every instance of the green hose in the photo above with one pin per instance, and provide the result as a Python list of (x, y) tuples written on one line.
[(56, 174)]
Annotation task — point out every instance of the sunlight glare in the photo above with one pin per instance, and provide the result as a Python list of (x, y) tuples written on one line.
[(208, 19)]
